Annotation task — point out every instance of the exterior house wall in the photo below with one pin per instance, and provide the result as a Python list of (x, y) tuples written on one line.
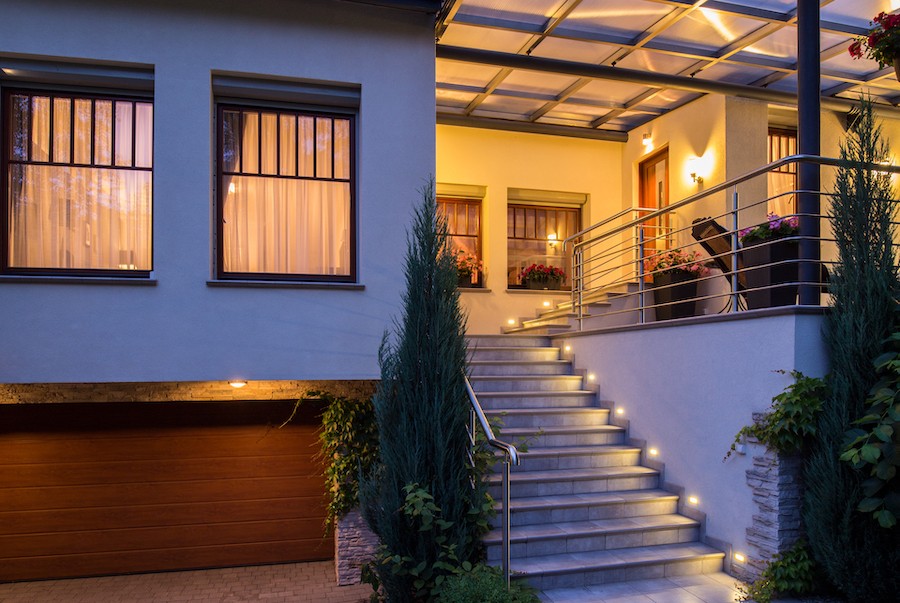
[(182, 329), (686, 390), (502, 160)]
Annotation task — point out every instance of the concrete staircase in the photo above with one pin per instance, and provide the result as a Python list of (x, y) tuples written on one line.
[(614, 306), (583, 510)]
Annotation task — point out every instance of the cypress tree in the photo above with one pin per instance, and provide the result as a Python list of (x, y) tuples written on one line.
[(421, 409), (859, 558)]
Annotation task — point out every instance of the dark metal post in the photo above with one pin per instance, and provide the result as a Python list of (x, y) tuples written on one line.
[(808, 177)]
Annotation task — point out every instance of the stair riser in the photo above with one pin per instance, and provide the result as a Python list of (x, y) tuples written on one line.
[(515, 354), (505, 341), (570, 439), (548, 401), (535, 331), (590, 512), (645, 571), (593, 542), (520, 369), (556, 419), (512, 384), (620, 319), (586, 486), (577, 461)]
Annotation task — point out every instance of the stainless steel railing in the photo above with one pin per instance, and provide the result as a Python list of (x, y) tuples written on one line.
[(617, 253), (510, 457)]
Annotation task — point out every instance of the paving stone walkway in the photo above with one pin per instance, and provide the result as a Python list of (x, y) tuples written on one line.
[(290, 583)]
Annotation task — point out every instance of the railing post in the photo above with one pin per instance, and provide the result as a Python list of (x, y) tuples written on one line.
[(640, 273), (735, 275), (578, 285), (506, 520)]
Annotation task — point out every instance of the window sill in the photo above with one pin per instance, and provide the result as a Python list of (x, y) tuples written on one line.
[(285, 285), (474, 290), (77, 280), (540, 291)]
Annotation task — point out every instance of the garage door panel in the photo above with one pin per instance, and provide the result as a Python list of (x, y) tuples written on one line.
[(55, 497), (186, 444), (113, 540), (162, 470), (61, 520), (97, 564)]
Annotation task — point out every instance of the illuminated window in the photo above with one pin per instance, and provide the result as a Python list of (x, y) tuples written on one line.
[(285, 194), (535, 235), (78, 186), (783, 181)]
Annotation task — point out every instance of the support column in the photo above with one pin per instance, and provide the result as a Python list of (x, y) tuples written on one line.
[(808, 176)]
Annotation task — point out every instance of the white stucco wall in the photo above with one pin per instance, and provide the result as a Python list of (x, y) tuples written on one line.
[(500, 160), (688, 389), (182, 329)]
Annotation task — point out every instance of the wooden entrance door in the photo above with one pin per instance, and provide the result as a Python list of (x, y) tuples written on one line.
[(654, 194)]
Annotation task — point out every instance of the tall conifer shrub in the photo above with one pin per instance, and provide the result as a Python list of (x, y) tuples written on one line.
[(421, 408), (859, 558)]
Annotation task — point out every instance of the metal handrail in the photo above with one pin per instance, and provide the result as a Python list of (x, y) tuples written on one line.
[(603, 222), (593, 257), (511, 457)]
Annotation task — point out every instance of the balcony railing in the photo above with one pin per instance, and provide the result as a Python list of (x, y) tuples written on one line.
[(622, 253)]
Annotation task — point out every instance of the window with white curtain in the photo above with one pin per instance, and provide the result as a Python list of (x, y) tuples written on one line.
[(78, 187), (285, 194)]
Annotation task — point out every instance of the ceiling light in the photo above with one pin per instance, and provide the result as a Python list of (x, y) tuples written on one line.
[(237, 384)]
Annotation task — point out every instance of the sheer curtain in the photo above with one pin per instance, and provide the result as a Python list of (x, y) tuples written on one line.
[(287, 209), (64, 215)]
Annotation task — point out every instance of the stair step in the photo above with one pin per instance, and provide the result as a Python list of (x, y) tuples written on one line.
[(548, 330), (505, 383), (566, 435), (519, 367), (514, 353), (527, 484), (548, 417), (572, 570), (590, 506), (578, 457), (599, 535), (714, 587), (537, 400), (514, 341)]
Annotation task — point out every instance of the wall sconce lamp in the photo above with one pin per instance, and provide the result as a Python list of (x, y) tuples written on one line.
[(552, 240), (646, 140), (694, 166)]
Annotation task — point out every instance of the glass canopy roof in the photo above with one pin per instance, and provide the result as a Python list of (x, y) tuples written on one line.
[(750, 43)]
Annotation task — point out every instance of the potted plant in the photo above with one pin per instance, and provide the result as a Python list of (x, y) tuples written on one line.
[(882, 44), (674, 273), (468, 269), (769, 256), (538, 276)]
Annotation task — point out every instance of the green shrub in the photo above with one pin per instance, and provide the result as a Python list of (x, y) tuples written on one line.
[(792, 420), (791, 573), (483, 584)]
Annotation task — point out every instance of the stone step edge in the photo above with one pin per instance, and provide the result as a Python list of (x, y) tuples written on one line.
[(519, 534), (517, 362), (573, 501), (575, 566), (580, 450), (550, 410), (570, 393), (524, 377), (577, 475), (561, 430)]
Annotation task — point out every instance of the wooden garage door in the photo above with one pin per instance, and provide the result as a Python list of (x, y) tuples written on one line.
[(92, 489)]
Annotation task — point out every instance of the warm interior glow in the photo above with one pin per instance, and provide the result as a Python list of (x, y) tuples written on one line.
[(231, 188), (237, 384)]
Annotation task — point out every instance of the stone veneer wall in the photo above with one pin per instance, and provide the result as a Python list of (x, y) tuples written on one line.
[(28, 393), (354, 546), (777, 488)]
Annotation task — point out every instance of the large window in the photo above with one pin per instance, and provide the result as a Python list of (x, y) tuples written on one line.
[(78, 184), (782, 182), (285, 195), (535, 235)]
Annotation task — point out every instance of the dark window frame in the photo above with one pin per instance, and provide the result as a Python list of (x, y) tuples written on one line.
[(6, 160), (512, 205), (279, 109)]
